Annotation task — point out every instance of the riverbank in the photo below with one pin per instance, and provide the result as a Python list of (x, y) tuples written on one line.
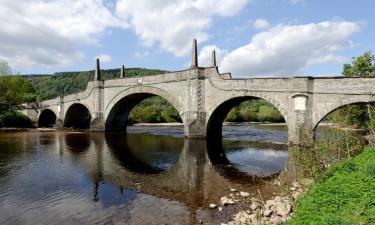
[(344, 194)]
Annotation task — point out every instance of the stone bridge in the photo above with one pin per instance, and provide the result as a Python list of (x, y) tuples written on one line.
[(203, 97)]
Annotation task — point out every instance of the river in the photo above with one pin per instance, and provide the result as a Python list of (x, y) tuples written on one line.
[(150, 175)]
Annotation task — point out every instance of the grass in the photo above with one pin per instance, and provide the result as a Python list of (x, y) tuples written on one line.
[(345, 194)]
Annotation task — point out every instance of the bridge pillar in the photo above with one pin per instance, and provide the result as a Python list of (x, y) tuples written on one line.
[(195, 124), (97, 117), (60, 113), (300, 130)]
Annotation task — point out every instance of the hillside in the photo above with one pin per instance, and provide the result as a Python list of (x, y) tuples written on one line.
[(64, 83)]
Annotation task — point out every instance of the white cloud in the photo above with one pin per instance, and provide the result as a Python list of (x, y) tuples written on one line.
[(205, 55), (172, 24), (104, 58), (261, 24), (288, 49), (48, 32)]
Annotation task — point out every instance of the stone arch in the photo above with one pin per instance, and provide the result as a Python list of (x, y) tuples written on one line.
[(119, 107), (335, 106), (216, 117), (78, 116), (47, 118)]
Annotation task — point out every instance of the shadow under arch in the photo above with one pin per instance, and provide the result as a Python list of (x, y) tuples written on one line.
[(215, 121), (218, 158), (47, 118), (77, 117), (119, 108), (123, 151)]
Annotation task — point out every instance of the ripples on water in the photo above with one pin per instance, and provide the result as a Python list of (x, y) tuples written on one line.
[(156, 177)]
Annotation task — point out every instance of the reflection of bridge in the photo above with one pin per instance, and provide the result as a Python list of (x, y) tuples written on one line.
[(197, 170), (203, 97)]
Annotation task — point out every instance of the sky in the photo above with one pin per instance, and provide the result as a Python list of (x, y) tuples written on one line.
[(252, 38)]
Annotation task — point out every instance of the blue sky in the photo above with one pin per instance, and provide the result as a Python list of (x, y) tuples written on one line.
[(252, 37)]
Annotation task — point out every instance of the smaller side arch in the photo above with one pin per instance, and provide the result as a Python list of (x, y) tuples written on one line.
[(319, 117), (47, 118)]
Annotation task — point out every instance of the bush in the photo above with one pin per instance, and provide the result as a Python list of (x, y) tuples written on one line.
[(270, 114), (14, 119)]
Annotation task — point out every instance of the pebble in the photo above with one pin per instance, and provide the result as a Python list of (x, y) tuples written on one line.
[(226, 201), (276, 220), (244, 194), (254, 206), (212, 206), (267, 212)]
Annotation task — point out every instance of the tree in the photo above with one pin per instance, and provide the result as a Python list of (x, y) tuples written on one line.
[(5, 68), (360, 116), (361, 66)]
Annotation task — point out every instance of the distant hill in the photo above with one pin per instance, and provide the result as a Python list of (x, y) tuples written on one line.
[(64, 83)]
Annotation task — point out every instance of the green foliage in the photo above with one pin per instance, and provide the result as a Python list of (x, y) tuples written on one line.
[(268, 113), (51, 86), (256, 110), (345, 196), (361, 66), (14, 119), (359, 116), (154, 110), (332, 145), (15, 90), (5, 69), (351, 115)]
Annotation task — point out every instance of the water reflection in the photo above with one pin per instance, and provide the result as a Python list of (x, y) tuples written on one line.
[(77, 142), (144, 153), (247, 162), (95, 178)]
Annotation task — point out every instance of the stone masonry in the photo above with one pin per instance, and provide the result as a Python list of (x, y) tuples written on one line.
[(203, 97)]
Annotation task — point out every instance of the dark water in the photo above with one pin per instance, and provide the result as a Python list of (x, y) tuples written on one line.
[(135, 178)]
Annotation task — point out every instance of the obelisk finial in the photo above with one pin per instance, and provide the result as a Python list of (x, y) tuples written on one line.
[(194, 58), (122, 74), (213, 60), (97, 70)]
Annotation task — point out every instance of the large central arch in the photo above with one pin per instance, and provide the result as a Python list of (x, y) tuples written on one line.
[(78, 116), (121, 105), (216, 118)]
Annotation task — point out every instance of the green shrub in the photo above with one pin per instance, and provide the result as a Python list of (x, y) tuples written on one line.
[(14, 119), (270, 114)]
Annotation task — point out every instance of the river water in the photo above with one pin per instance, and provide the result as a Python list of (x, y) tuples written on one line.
[(151, 175)]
